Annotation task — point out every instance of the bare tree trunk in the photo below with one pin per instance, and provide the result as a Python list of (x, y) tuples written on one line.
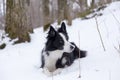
[(46, 14), (60, 11), (92, 4), (4, 7), (17, 25), (83, 5), (102, 2), (109, 1), (68, 12), (64, 11), (2, 14)]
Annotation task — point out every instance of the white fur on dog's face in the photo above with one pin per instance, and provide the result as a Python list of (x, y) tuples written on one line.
[(50, 61), (67, 45)]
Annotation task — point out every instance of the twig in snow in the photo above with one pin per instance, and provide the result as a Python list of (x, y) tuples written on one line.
[(109, 75), (119, 47), (52, 75), (79, 56), (115, 18), (118, 50), (100, 34)]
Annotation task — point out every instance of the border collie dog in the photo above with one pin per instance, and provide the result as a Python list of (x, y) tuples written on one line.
[(58, 51)]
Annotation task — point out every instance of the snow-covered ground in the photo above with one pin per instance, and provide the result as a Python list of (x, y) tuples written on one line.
[(22, 61)]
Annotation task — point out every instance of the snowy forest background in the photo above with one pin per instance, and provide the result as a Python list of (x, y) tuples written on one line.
[(29, 14), (93, 25), (53, 10), (43, 12)]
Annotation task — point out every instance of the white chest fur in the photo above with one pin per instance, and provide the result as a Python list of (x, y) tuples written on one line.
[(51, 59)]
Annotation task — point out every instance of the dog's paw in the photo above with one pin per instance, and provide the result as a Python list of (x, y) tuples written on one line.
[(57, 71), (47, 72)]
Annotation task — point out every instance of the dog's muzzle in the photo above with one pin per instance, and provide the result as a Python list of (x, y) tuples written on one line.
[(72, 47)]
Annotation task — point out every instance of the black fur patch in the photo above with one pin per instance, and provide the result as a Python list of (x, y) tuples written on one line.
[(55, 41), (62, 30)]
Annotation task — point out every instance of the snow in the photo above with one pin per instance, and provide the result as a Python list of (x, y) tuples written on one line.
[(22, 61)]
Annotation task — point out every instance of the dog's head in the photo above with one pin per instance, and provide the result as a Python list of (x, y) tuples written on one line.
[(58, 40)]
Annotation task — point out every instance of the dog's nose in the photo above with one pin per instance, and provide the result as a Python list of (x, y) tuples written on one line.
[(72, 47)]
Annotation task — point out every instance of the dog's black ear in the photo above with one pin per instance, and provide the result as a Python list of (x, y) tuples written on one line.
[(51, 32), (62, 28)]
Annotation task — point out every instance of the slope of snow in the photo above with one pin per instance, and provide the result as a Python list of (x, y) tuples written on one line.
[(22, 61)]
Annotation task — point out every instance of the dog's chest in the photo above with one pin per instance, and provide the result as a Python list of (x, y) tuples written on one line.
[(51, 59)]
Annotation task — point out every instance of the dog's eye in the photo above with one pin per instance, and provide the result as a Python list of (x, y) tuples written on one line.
[(60, 41)]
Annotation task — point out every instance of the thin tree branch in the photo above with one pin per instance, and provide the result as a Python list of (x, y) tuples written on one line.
[(79, 56), (118, 50), (115, 17)]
